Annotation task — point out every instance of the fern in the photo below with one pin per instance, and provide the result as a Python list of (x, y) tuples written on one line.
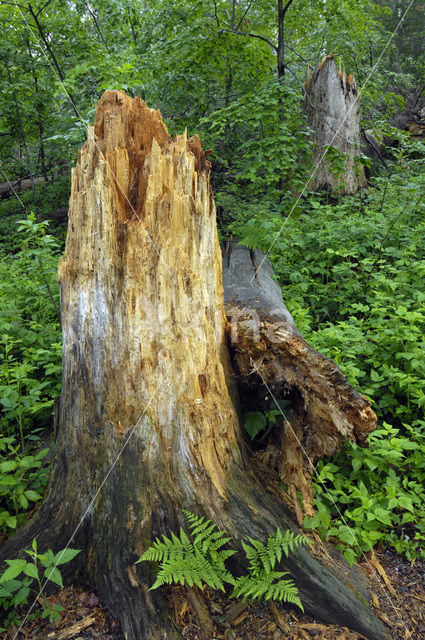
[(193, 562), (262, 582), (201, 560), (270, 554), (263, 586)]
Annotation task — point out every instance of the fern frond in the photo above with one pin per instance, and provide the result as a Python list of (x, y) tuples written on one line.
[(252, 555), (202, 561), (263, 581), (185, 562), (263, 586), (254, 587), (162, 550), (284, 591)]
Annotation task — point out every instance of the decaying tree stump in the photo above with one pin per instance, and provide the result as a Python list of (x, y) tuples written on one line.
[(147, 419), (333, 109)]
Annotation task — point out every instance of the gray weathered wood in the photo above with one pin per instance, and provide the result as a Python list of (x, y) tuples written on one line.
[(333, 108)]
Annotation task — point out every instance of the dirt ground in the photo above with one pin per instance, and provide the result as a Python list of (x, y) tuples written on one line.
[(397, 596)]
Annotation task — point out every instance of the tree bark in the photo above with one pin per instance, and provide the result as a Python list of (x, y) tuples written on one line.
[(333, 109), (147, 418)]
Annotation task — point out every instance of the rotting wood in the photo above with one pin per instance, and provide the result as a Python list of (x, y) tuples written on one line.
[(200, 610), (73, 630), (333, 108), (268, 352)]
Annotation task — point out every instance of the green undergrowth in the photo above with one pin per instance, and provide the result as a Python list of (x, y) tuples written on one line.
[(47, 198), (23, 582), (352, 275), (30, 366)]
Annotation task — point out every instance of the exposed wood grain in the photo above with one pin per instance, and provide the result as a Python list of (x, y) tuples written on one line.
[(333, 108)]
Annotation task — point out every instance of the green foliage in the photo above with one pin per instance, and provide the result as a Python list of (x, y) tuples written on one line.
[(24, 578), (201, 560), (198, 561), (30, 367), (255, 421), (367, 495), (262, 154), (22, 481), (352, 276), (30, 343), (262, 582)]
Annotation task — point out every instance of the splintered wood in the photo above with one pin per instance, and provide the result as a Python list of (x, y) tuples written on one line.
[(134, 292), (325, 409), (333, 109)]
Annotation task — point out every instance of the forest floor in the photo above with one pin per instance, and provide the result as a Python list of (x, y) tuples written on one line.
[(397, 596)]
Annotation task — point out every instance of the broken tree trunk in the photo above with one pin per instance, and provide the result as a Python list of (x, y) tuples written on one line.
[(269, 352), (333, 109), (147, 424)]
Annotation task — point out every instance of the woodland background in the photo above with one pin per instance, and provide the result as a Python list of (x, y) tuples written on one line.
[(351, 268)]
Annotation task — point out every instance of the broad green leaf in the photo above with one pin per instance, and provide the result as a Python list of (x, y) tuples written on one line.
[(253, 423), (62, 557), (53, 575), (14, 569)]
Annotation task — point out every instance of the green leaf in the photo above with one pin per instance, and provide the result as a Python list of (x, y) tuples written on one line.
[(53, 575), (382, 515), (8, 465), (14, 569), (8, 481), (32, 495), (31, 570), (62, 557), (350, 556), (357, 463), (254, 422)]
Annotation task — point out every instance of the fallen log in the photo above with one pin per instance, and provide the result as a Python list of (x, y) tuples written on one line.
[(7, 188), (268, 351)]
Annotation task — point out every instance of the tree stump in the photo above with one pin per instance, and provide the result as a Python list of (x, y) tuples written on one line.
[(147, 418), (333, 109)]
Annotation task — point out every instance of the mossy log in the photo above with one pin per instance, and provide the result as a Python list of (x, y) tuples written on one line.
[(147, 421)]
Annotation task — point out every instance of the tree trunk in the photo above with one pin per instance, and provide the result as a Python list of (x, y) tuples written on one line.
[(333, 109), (147, 419)]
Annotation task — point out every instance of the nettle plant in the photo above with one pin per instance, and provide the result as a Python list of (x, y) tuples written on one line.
[(375, 494), (200, 560), (25, 579), (22, 481)]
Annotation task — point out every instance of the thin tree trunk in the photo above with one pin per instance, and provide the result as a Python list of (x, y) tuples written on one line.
[(39, 107), (96, 24), (52, 55), (22, 136), (147, 420)]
